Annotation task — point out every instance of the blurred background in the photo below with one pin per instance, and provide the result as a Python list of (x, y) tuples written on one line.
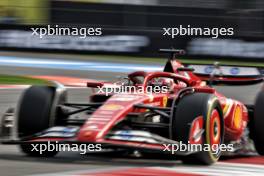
[(132, 34), (135, 27)]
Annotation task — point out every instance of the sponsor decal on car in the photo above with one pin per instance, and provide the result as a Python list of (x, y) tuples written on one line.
[(234, 71), (105, 112), (154, 103), (133, 135), (125, 97), (60, 132), (209, 69), (112, 107)]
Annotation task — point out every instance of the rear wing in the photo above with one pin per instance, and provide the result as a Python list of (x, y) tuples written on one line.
[(225, 74), (215, 73)]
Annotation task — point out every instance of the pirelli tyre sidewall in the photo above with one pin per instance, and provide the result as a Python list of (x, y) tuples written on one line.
[(257, 124), (190, 107)]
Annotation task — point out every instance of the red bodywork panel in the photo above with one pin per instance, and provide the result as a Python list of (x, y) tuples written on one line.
[(234, 112), (118, 106)]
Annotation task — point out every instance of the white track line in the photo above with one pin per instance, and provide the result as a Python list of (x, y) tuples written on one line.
[(80, 172), (218, 169)]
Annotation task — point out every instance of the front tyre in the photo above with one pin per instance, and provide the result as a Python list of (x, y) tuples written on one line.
[(34, 115), (188, 109)]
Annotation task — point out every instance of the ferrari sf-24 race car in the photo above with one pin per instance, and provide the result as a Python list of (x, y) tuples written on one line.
[(190, 111)]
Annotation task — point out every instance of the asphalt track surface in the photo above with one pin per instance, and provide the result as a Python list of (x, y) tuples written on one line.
[(12, 162)]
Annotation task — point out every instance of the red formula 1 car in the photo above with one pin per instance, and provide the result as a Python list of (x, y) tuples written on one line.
[(155, 112)]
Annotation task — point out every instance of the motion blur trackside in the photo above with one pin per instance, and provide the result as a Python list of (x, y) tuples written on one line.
[(110, 87)]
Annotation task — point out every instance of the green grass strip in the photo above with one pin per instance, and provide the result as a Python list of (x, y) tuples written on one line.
[(21, 80)]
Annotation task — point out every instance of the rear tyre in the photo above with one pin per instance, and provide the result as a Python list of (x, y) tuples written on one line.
[(34, 115), (188, 109), (257, 124)]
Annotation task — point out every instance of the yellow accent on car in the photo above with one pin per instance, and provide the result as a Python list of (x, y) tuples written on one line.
[(112, 107), (237, 120), (165, 101)]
